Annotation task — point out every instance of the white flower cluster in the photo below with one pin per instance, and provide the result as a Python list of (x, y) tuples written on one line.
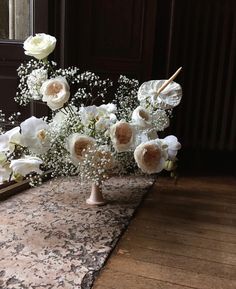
[(35, 81), (82, 136)]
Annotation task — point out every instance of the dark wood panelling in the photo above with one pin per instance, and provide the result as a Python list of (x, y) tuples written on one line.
[(11, 55), (112, 37), (203, 41), (117, 34)]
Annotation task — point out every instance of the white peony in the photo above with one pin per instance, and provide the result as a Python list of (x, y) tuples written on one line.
[(78, 145), (26, 165), (173, 146), (40, 45), (56, 92), (35, 80), (151, 156), (10, 139), (167, 99), (122, 136), (34, 135), (141, 117)]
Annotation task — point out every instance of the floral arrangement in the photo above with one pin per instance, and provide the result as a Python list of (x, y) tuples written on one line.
[(79, 136)]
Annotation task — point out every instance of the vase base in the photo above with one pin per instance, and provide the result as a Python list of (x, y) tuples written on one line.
[(96, 197), (95, 203)]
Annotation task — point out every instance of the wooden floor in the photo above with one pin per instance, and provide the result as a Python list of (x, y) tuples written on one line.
[(183, 236)]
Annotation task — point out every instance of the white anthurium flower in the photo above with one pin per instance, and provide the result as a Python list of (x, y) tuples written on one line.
[(151, 156), (10, 139), (160, 120), (122, 136), (141, 117), (35, 80), (173, 146), (34, 135), (56, 92), (40, 45), (77, 145), (167, 99), (26, 165)]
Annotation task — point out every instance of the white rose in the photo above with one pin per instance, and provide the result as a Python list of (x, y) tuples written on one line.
[(78, 145), (122, 136), (56, 92), (34, 135), (40, 45), (10, 139), (26, 165), (141, 117), (167, 99), (151, 156), (173, 146)]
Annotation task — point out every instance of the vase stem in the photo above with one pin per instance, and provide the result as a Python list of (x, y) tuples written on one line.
[(96, 197)]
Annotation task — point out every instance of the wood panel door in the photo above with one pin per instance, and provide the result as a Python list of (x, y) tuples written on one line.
[(112, 37)]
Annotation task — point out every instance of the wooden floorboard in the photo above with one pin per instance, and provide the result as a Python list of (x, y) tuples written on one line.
[(183, 236)]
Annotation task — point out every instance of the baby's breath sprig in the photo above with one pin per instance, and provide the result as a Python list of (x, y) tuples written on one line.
[(126, 97), (125, 163), (91, 88), (26, 89), (95, 166)]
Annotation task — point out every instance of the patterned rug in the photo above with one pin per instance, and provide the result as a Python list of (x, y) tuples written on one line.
[(50, 238)]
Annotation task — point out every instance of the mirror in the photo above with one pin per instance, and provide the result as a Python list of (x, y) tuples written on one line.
[(15, 19)]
